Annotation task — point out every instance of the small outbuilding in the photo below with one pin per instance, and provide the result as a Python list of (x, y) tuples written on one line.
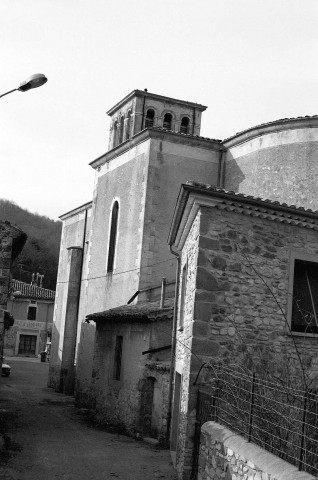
[(131, 367)]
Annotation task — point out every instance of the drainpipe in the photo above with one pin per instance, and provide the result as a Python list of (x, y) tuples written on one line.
[(220, 179), (80, 283), (163, 292), (193, 121), (173, 343)]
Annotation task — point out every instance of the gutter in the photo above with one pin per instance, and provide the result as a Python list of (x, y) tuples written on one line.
[(221, 171), (173, 344)]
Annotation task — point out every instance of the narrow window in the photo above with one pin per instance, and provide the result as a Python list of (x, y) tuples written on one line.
[(184, 127), (121, 130), (167, 121), (305, 297), (32, 310), (128, 125), (150, 118), (183, 296), (112, 238), (115, 134), (118, 356)]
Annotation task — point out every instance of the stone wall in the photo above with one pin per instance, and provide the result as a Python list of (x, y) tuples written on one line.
[(236, 305), (227, 456), (185, 359)]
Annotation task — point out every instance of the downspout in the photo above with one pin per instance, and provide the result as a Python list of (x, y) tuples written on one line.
[(173, 344), (80, 283), (220, 180), (193, 121)]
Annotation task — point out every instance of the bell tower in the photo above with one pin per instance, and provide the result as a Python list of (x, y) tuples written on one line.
[(141, 109)]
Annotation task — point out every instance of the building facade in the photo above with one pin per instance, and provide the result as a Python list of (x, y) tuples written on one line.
[(12, 241), (248, 295), (131, 367), (115, 248), (32, 309), (117, 244)]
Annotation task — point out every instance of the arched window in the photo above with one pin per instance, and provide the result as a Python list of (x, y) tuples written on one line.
[(112, 238), (121, 130), (115, 134), (128, 125), (150, 116), (184, 127), (167, 121)]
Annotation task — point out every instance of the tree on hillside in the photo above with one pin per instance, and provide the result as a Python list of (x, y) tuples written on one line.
[(41, 251)]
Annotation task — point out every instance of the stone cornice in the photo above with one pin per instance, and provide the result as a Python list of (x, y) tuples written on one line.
[(76, 210), (194, 196), (160, 134), (270, 127), (142, 94)]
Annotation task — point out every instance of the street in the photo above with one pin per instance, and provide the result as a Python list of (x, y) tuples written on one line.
[(46, 437)]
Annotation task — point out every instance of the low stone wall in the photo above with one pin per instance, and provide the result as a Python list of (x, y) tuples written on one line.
[(227, 456)]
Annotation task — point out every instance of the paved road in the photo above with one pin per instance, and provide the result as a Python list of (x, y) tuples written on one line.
[(49, 439)]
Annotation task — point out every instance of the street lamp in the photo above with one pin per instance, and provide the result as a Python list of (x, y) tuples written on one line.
[(35, 81)]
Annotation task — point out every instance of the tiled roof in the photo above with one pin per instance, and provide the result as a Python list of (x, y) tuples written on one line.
[(268, 124), (139, 312), (241, 196), (25, 290)]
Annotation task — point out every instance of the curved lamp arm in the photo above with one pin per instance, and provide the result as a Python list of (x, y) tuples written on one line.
[(35, 81)]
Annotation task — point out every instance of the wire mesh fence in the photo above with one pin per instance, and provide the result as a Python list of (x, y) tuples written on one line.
[(277, 416)]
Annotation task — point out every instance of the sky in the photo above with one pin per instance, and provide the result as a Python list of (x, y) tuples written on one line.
[(249, 61)]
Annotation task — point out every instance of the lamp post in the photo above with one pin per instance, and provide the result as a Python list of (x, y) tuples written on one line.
[(35, 81)]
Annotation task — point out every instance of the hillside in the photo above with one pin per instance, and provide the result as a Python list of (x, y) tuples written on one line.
[(41, 251)]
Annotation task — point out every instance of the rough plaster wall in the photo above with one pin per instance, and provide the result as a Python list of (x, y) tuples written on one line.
[(124, 181), (281, 166), (171, 164), (118, 401)]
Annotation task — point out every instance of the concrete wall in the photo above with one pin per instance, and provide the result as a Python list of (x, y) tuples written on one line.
[(224, 455), (22, 326), (279, 163), (231, 314)]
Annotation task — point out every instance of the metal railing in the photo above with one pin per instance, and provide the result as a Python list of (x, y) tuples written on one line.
[(267, 411)]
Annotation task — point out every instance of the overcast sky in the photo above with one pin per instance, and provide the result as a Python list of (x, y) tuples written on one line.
[(249, 61)]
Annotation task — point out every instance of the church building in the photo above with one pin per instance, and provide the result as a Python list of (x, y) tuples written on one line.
[(114, 306)]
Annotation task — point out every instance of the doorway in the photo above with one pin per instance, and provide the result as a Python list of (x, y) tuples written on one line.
[(27, 345)]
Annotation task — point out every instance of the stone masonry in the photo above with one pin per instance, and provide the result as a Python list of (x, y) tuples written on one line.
[(226, 456), (236, 300)]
